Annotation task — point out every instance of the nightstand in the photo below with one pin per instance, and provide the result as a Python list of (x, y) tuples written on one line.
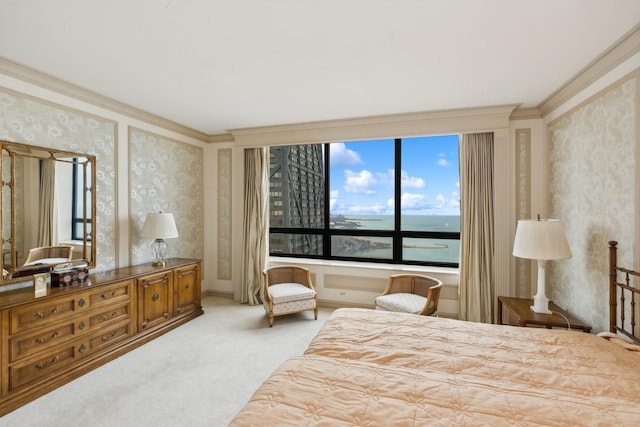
[(521, 308)]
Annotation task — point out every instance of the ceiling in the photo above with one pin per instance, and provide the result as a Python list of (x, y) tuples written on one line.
[(217, 65)]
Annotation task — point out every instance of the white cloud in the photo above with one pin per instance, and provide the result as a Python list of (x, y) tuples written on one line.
[(443, 162), (333, 199), (360, 182), (376, 208), (342, 156), (410, 201), (411, 181)]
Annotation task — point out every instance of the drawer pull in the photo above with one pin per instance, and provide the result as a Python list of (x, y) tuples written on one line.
[(187, 286), (82, 302), (107, 338), (42, 315), (82, 325), (46, 365), (105, 296), (41, 340), (155, 297), (105, 317), (82, 348)]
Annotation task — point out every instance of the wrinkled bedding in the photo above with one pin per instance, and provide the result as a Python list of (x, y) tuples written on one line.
[(375, 368)]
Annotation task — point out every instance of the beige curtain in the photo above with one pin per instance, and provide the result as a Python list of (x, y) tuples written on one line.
[(255, 226), (46, 217), (476, 233)]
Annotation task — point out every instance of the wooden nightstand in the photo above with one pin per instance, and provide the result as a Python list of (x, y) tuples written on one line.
[(521, 307)]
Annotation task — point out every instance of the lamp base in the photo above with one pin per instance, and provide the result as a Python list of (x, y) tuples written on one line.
[(540, 300), (540, 305), (159, 264)]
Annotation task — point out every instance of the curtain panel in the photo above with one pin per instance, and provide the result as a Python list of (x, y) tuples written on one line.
[(477, 287), (255, 226)]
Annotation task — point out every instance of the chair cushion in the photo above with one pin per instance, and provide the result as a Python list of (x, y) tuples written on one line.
[(406, 303), (287, 292)]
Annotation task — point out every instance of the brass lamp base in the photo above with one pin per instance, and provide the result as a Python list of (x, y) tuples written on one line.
[(159, 264)]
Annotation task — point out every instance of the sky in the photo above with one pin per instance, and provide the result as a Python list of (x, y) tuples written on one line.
[(362, 176)]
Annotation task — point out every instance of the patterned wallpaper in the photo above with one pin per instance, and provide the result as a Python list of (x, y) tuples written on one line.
[(35, 122), (591, 188), (167, 176)]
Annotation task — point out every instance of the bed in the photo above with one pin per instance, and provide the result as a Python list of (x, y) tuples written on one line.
[(375, 368)]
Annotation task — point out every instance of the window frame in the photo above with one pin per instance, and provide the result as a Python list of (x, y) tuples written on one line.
[(397, 234)]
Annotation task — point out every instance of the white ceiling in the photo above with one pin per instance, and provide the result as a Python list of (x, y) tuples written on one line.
[(215, 65)]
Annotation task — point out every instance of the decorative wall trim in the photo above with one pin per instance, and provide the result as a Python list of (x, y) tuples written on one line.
[(225, 218), (523, 208), (503, 212), (621, 50), (46, 81), (386, 126)]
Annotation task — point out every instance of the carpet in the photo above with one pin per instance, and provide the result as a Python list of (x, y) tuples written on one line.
[(199, 374)]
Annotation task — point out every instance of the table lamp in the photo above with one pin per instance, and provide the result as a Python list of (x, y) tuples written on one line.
[(542, 240), (159, 226)]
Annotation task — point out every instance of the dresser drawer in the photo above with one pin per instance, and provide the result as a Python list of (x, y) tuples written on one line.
[(109, 337), (24, 373), (25, 345), (42, 314), (112, 294)]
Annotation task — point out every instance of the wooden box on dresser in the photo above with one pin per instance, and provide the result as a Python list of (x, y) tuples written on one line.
[(50, 340)]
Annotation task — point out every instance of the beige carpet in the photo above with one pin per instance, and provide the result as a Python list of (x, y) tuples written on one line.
[(199, 374)]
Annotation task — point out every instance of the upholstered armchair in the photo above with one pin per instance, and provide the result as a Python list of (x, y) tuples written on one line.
[(49, 255), (288, 289), (411, 293)]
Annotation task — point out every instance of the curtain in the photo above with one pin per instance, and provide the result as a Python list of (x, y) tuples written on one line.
[(255, 225), (46, 217), (476, 233)]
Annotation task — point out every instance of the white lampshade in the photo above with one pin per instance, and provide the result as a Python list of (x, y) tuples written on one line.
[(159, 225), (542, 239)]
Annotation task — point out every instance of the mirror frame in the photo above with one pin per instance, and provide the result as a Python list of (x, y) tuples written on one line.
[(13, 149)]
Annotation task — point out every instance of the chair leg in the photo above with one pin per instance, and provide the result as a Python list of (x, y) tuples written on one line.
[(270, 321), (315, 312)]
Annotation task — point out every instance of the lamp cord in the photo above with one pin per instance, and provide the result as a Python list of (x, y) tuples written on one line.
[(565, 319)]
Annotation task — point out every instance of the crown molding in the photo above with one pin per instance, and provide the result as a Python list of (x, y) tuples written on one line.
[(624, 48), (29, 75), (525, 114), (221, 137), (384, 126)]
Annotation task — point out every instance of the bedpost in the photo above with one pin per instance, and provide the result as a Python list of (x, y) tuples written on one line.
[(612, 285)]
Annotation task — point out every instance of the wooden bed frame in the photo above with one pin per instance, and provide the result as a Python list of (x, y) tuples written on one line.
[(619, 293)]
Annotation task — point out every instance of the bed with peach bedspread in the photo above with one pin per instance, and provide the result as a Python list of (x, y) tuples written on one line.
[(372, 368), (376, 368)]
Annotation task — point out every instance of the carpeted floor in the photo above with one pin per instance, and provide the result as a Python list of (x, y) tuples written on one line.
[(199, 374)]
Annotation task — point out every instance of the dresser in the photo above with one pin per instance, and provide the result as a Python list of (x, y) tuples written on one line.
[(50, 340)]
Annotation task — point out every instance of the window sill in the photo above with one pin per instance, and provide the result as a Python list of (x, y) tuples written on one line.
[(420, 269)]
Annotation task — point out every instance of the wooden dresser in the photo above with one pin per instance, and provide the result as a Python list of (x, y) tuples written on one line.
[(50, 340)]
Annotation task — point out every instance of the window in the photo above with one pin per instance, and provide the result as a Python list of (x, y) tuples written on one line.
[(81, 172), (345, 201)]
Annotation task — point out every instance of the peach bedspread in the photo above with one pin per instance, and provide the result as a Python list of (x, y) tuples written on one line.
[(374, 368)]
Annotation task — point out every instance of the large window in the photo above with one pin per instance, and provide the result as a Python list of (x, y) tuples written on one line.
[(345, 201)]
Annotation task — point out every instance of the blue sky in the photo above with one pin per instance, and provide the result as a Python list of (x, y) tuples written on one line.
[(362, 177)]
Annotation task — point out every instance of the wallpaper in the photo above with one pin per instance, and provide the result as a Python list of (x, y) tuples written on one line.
[(167, 176), (224, 214), (35, 122), (591, 187)]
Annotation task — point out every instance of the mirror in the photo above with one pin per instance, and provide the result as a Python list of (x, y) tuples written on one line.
[(47, 200)]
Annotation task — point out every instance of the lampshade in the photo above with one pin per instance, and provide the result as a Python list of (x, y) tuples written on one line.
[(159, 225), (542, 239)]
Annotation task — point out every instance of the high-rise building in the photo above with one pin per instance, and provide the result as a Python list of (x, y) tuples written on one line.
[(296, 197)]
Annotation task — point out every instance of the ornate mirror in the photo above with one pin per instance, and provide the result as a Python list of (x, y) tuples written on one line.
[(47, 206)]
